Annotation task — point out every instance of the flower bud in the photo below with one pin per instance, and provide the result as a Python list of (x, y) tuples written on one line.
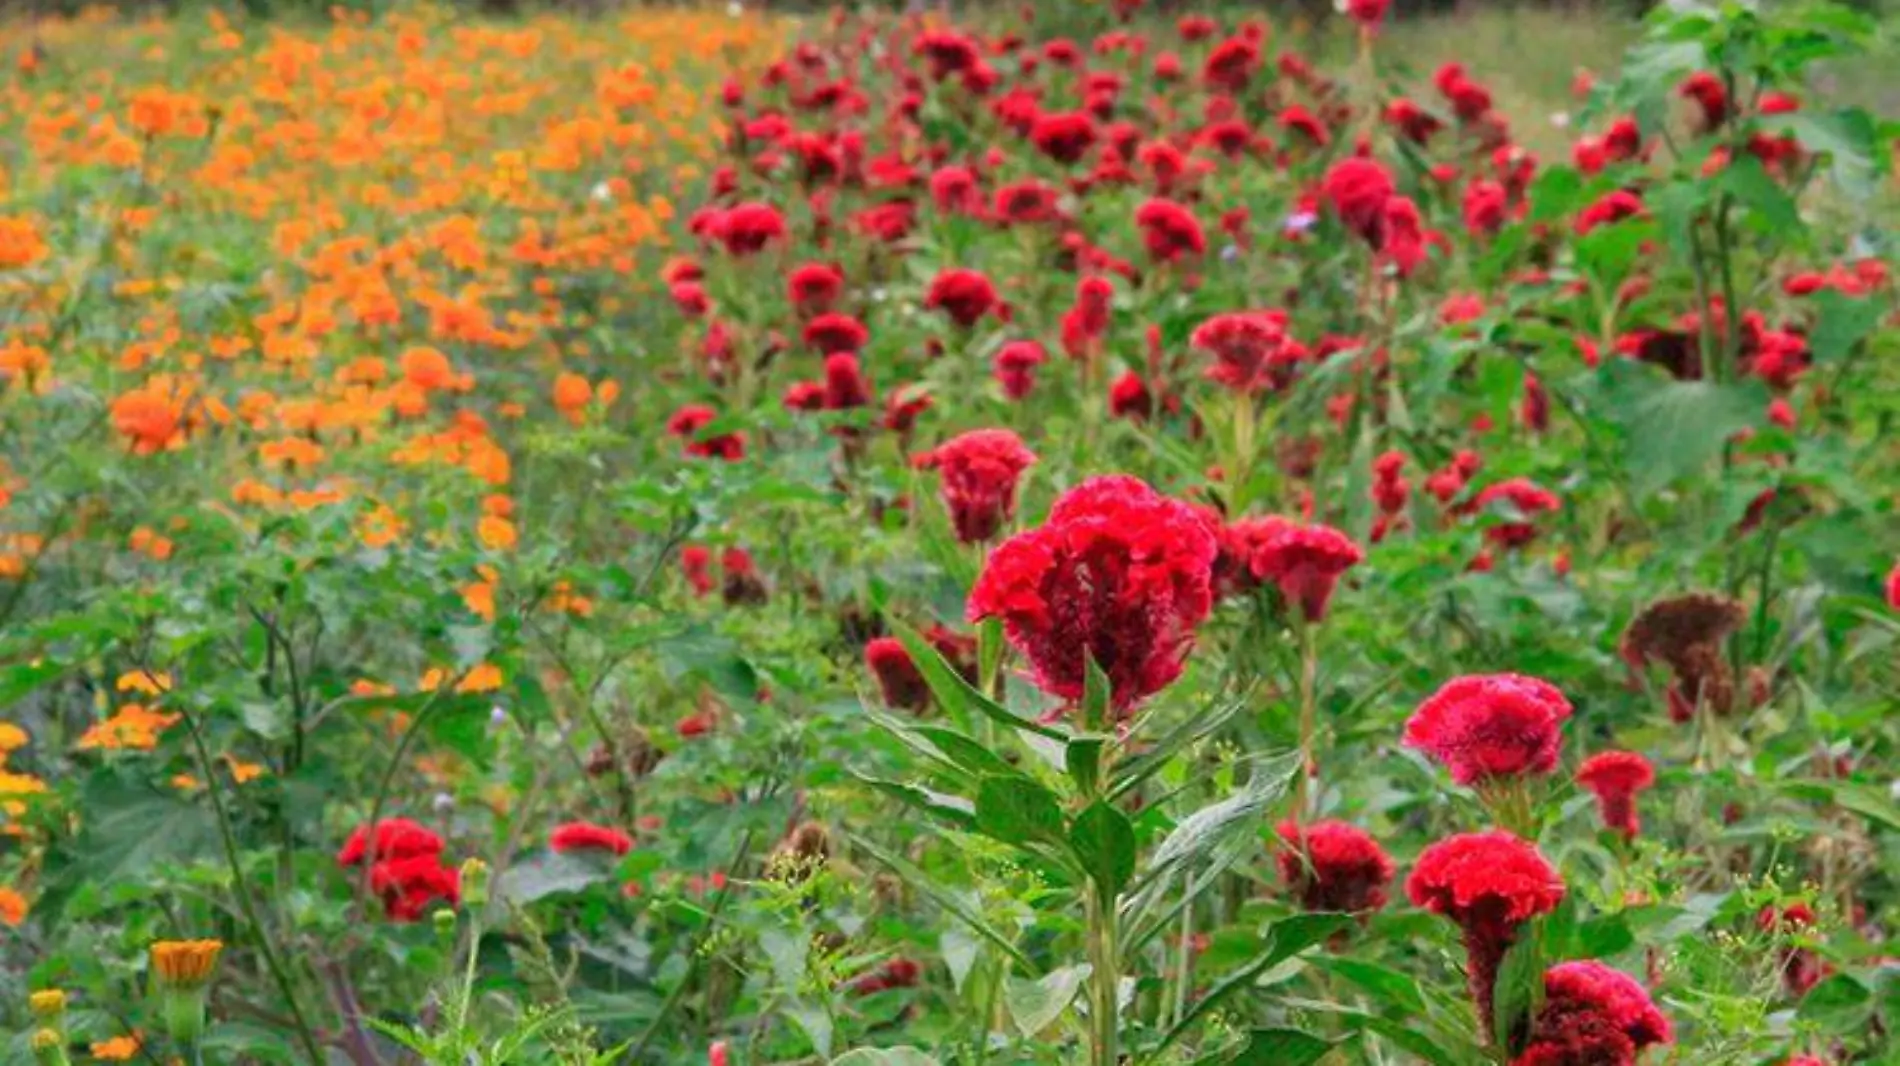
[(475, 884), (49, 1048), (181, 973), (47, 1005)]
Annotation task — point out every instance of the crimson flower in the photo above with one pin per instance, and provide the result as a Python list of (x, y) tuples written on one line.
[(746, 228), (1489, 726), (1488, 884), (1593, 1016), (395, 838), (1305, 563), (1064, 137), (1334, 866), (1615, 777), (1231, 64), (1170, 231), (814, 287), (979, 472), (1367, 13), (845, 386), (1129, 397), (409, 886), (690, 419), (1119, 574), (1524, 496), (1015, 367), (1893, 586), (1357, 190), (965, 295), (1251, 349), (586, 836), (834, 332), (898, 679)]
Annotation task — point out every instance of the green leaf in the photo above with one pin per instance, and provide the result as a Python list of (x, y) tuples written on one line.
[(1518, 991), (934, 889), (1017, 810), (1843, 322), (1202, 830), (954, 809), (554, 873), (1033, 1005), (1387, 986), (893, 1056), (130, 828), (1096, 694), (1083, 759), (1840, 1004), (1432, 1048), (957, 696), (1282, 1047), (1104, 839), (1285, 939), (1749, 182), (1847, 139), (1676, 427)]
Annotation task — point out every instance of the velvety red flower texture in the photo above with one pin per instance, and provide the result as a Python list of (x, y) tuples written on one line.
[(963, 294), (1334, 866), (406, 868), (1305, 563), (1593, 1015), (586, 836), (898, 680), (1251, 349), (1488, 884), (1119, 574), (1489, 726), (1615, 777), (979, 471)]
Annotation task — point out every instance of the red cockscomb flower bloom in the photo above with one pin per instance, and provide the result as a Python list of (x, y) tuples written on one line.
[(1710, 96), (1893, 586), (1488, 726), (814, 287), (1015, 367), (1801, 968), (1592, 1016), (1485, 207), (845, 386), (1615, 777), (1251, 349), (586, 836), (1118, 574), (1524, 496), (1231, 64), (1489, 884), (1413, 122), (898, 679), (690, 419), (1129, 397), (746, 228), (1065, 137), (1367, 13), (1027, 201), (1305, 563), (963, 294), (979, 471), (1357, 190), (836, 332), (408, 887), (1334, 866), (396, 838), (897, 973), (1170, 231)]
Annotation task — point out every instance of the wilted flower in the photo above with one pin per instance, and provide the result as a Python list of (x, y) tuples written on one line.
[(1687, 633)]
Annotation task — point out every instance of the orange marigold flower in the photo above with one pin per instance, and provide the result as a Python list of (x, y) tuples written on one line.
[(185, 963), (427, 369), (134, 727), (12, 738), (117, 1049), (149, 682), (20, 242), (151, 419), (13, 906)]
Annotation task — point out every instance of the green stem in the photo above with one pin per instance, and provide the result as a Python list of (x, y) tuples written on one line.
[(305, 1034), (1309, 715), (1105, 978)]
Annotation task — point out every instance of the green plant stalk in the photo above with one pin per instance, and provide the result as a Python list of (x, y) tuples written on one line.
[(1309, 716), (1240, 471), (1104, 978), (674, 998), (305, 1034)]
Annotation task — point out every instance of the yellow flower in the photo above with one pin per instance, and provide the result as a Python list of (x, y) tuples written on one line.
[(151, 684), (185, 963), (12, 738), (134, 728), (14, 786), (483, 678), (47, 1003)]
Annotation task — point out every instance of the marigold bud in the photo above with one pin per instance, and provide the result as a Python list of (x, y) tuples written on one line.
[(47, 1004), (475, 883), (182, 971)]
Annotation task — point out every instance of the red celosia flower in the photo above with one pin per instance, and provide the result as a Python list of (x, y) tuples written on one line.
[(1119, 574), (1367, 13), (1485, 206), (898, 678), (897, 973), (1801, 968), (947, 52), (814, 287), (1334, 866), (1086, 321), (396, 838), (1710, 96), (836, 332), (978, 472), (1251, 349), (1612, 207), (1305, 563), (845, 386), (743, 585), (1170, 231), (1357, 189), (1413, 122), (1488, 726), (1527, 499), (696, 563), (1129, 397), (965, 295), (1015, 366), (1615, 777), (1402, 237), (1065, 137), (1588, 1040), (1297, 120), (749, 227), (1572, 988), (717, 1055), (1488, 884), (690, 419), (954, 190), (1469, 100), (586, 836), (1893, 586), (1027, 201), (409, 886), (1231, 64)]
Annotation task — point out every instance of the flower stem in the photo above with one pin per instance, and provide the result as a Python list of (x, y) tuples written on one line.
[(1309, 725), (1105, 977)]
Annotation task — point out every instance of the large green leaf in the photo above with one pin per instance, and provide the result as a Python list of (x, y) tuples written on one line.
[(1033, 1005), (1017, 810), (554, 873), (958, 697), (1842, 323), (1676, 427), (1240, 812), (1104, 840), (1840, 1004), (131, 827), (1282, 1047), (894, 1056)]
